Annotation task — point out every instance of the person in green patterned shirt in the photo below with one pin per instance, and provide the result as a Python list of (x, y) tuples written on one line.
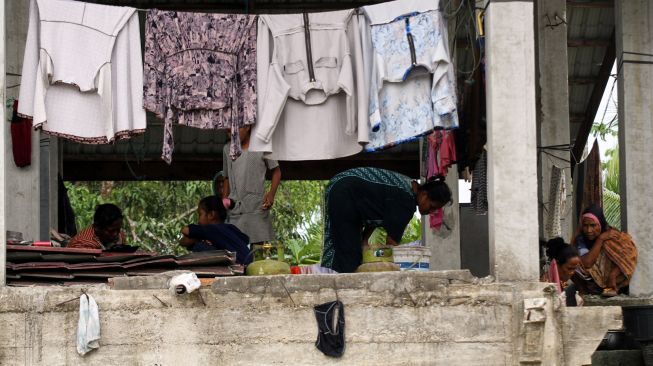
[(360, 199)]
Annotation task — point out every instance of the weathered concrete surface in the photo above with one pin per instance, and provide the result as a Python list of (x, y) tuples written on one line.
[(22, 184), (431, 318), (445, 243), (634, 26), (580, 327), (511, 136), (553, 106)]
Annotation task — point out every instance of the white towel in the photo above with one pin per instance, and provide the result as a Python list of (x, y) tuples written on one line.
[(88, 329)]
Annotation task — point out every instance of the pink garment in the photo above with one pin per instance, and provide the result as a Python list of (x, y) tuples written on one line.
[(441, 155)]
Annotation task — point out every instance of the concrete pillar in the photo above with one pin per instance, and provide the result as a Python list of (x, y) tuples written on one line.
[(553, 109), (634, 34), (445, 242), (511, 135), (3, 139), (23, 185)]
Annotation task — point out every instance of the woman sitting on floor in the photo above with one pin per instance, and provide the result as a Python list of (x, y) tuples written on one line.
[(608, 256)]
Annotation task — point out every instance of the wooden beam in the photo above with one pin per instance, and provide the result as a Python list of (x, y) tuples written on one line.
[(115, 167), (576, 118), (594, 101), (204, 170), (600, 42), (576, 80), (239, 6), (589, 4)]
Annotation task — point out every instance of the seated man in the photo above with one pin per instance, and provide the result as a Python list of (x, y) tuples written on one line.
[(211, 233), (104, 232)]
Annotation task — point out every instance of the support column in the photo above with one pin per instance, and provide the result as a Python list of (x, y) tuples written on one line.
[(3, 142), (445, 242), (23, 185), (511, 135), (553, 109), (634, 34)]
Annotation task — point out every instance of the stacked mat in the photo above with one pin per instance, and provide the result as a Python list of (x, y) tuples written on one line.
[(30, 265)]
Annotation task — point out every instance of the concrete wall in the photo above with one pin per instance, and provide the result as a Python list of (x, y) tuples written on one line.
[(23, 185), (474, 247), (430, 318), (634, 27)]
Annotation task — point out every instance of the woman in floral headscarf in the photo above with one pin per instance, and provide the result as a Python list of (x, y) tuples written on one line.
[(608, 256)]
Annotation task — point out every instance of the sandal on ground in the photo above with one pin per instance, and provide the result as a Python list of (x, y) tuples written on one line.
[(609, 292)]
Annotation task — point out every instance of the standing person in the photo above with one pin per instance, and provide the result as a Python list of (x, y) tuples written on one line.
[(245, 185), (359, 199), (608, 256)]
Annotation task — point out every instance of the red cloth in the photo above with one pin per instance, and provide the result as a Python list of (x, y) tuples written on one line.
[(87, 239), (441, 155), (21, 138)]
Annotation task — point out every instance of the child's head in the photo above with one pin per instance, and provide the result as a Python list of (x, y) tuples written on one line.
[(211, 211), (565, 255)]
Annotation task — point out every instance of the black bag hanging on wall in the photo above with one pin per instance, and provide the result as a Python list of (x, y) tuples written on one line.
[(330, 318)]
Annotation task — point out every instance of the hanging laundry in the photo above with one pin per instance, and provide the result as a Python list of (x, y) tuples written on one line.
[(312, 105), (82, 71), (21, 138), (330, 318), (479, 185), (200, 71), (441, 155), (592, 192), (556, 206), (411, 81), (88, 327)]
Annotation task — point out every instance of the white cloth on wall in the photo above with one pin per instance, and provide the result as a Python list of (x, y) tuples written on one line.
[(82, 75), (410, 75), (88, 328), (315, 107)]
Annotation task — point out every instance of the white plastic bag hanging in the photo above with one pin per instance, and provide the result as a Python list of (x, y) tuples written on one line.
[(88, 328)]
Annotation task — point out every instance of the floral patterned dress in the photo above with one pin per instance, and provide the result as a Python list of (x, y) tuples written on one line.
[(412, 86), (200, 71)]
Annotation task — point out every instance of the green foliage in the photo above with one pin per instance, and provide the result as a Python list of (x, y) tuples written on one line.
[(154, 212), (601, 129), (413, 231), (611, 170), (297, 220), (612, 208)]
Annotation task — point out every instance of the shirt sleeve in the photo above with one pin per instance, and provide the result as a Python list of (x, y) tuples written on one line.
[(225, 161), (247, 76), (153, 68), (197, 232), (443, 89), (271, 163), (272, 87), (30, 64)]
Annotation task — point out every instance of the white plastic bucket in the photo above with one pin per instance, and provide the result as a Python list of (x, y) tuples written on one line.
[(412, 258)]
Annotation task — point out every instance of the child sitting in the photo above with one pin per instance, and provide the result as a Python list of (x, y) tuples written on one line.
[(211, 233)]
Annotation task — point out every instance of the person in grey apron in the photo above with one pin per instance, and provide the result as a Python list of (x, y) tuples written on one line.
[(245, 185)]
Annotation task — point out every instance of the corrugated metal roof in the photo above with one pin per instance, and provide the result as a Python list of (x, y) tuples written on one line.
[(590, 26)]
